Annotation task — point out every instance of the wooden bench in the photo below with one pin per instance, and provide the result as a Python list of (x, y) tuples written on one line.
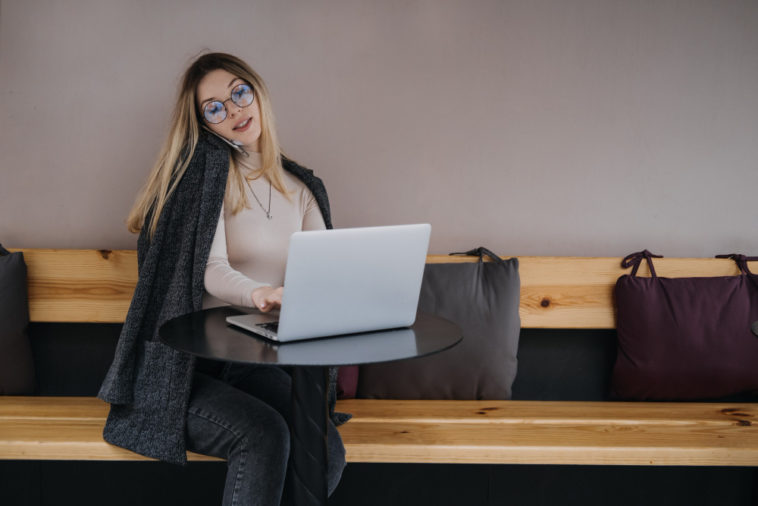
[(556, 292)]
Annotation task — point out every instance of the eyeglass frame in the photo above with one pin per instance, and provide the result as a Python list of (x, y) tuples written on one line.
[(223, 103)]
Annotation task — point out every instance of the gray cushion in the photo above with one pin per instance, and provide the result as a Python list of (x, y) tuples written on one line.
[(16, 364), (483, 299)]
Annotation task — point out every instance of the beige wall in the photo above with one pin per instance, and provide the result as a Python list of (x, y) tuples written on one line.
[(551, 127)]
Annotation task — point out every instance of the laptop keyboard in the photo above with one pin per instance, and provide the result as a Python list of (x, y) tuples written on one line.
[(271, 326)]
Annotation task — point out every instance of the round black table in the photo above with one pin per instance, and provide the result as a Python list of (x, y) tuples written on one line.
[(206, 334)]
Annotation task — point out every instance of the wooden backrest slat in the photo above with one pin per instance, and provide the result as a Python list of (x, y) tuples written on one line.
[(80, 285), (556, 292)]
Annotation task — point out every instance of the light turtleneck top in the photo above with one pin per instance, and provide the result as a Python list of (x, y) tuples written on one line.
[(249, 250)]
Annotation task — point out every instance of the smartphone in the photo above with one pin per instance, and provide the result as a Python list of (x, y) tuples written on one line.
[(236, 145)]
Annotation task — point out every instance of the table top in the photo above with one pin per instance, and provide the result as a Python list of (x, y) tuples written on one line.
[(206, 334)]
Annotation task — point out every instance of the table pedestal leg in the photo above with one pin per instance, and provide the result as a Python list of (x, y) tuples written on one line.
[(308, 456)]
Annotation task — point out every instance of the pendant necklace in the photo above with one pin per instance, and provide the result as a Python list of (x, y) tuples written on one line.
[(267, 211)]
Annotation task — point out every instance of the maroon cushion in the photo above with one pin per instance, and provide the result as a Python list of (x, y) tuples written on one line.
[(347, 382), (685, 338)]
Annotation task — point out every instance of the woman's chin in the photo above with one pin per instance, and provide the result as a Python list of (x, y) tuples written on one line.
[(251, 142)]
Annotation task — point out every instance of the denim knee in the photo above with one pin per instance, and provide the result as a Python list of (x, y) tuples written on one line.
[(267, 437)]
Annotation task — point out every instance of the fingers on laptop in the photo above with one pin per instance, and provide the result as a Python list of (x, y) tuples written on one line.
[(268, 306), (267, 298), (273, 299)]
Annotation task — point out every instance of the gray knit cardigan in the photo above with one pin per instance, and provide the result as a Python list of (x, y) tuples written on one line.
[(148, 383)]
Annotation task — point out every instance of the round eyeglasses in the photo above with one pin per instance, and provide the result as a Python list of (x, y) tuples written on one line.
[(215, 111)]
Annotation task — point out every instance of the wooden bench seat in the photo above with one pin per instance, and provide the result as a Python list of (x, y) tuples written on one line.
[(552, 432), (504, 432), (59, 428), (556, 292)]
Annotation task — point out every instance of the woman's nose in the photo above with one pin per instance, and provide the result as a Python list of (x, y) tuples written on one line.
[(234, 108)]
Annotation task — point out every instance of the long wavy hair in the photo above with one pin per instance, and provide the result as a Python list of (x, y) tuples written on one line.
[(182, 139)]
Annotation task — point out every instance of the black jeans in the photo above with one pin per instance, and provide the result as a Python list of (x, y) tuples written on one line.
[(241, 414)]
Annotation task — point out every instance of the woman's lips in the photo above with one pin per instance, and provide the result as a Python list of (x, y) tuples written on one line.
[(244, 125)]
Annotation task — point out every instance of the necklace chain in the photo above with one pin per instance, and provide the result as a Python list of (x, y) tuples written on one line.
[(267, 211)]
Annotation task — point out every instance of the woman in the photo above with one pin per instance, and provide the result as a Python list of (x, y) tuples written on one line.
[(214, 220)]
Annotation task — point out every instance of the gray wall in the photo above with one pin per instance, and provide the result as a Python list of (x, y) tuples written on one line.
[(548, 127)]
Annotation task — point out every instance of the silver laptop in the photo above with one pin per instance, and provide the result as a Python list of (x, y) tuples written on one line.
[(345, 281)]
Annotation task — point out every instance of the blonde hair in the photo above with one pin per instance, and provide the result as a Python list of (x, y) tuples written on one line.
[(183, 136)]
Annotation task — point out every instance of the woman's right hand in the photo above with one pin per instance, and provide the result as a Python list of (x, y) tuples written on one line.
[(267, 298)]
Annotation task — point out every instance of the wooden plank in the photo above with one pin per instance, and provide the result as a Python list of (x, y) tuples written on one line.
[(60, 428), (523, 432), (554, 443), (64, 440), (56, 408), (556, 292), (67, 285), (546, 432), (534, 412)]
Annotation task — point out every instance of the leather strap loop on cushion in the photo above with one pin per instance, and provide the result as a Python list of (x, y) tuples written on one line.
[(635, 259), (741, 261), (480, 252)]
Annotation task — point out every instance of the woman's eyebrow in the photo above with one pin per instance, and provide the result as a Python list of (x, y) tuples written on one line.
[(228, 86)]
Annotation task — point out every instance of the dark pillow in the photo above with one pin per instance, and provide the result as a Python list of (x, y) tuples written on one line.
[(685, 338), (483, 299), (16, 364)]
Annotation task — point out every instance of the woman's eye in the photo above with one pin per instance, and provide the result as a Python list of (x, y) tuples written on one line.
[(240, 93)]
